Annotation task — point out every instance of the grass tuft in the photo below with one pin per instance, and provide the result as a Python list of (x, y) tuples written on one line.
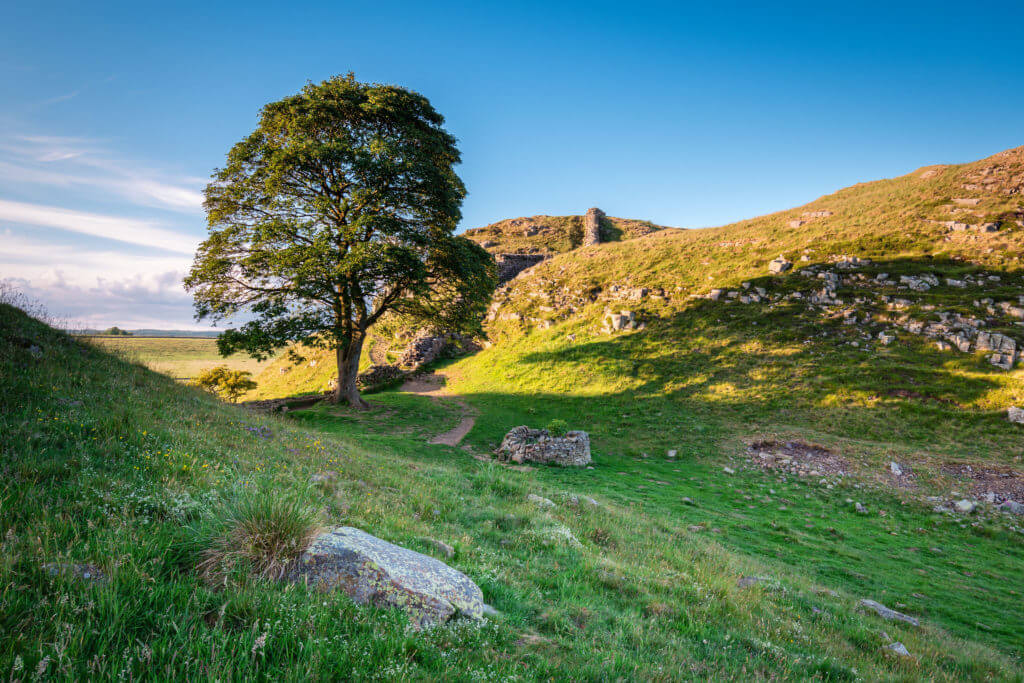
[(254, 532)]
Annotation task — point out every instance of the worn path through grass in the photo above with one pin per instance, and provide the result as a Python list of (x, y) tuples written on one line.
[(433, 386)]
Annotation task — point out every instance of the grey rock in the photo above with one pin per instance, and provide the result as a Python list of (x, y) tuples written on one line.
[(523, 444), (86, 573), (889, 614), (748, 581), (373, 571), (779, 265), (965, 506), (540, 501), (1013, 507), (897, 648), (1015, 415)]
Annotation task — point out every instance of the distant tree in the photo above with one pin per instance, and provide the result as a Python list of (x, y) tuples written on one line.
[(338, 209), (224, 382), (117, 332)]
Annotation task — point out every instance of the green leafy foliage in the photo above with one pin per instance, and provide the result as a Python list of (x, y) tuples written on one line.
[(339, 208), (558, 427), (225, 382)]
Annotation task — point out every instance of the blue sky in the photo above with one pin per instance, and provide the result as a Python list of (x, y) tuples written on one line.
[(112, 115)]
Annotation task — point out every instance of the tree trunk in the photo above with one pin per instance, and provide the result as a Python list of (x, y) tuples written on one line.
[(348, 371)]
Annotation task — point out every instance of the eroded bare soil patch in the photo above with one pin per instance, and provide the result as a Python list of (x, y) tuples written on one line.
[(797, 457), (1005, 483)]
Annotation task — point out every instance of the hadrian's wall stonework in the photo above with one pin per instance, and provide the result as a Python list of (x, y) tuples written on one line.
[(510, 265)]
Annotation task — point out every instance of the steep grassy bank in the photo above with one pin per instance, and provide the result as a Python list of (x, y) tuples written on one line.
[(108, 464)]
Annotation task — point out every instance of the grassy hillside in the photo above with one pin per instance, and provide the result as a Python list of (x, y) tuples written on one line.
[(179, 357), (553, 234), (784, 361), (114, 468)]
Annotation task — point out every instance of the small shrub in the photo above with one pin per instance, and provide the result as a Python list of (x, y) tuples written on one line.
[(558, 427), (257, 531), (225, 382)]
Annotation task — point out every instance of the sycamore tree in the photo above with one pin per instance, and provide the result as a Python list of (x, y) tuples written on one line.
[(338, 209)]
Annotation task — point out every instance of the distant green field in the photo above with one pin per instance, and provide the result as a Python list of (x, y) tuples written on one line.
[(178, 357)]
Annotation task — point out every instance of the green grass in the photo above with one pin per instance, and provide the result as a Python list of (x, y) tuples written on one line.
[(109, 464), (177, 357)]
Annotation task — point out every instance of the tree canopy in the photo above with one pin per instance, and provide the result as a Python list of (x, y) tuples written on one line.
[(339, 208)]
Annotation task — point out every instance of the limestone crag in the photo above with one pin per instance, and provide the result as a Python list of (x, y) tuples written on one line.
[(523, 444), (618, 322), (427, 347), (373, 571)]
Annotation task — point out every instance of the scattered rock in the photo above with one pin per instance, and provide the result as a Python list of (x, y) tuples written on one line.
[(728, 470), (889, 614), (1013, 507), (540, 501), (747, 581), (441, 547), (523, 444), (617, 322), (373, 571), (860, 509), (1015, 415), (897, 648), (895, 468), (965, 506), (779, 265), (320, 477), (87, 573)]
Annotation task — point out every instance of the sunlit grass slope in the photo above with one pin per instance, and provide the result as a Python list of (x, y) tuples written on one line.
[(108, 464)]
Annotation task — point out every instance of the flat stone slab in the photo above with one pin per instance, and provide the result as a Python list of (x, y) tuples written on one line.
[(374, 572), (890, 614)]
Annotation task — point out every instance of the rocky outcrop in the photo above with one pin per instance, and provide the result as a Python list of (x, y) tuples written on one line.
[(376, 375), (779, 265), (617, 322), (427, 347), (592, 227), (510, 265), (374, 572), (886, 613), (523, 444)]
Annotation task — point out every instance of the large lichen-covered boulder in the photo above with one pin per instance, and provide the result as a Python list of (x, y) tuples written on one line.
[(375, 572), (523, 444)]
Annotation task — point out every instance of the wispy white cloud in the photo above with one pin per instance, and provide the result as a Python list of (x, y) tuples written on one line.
[(129, 230), (99, 276), (62, 98), (68, 161)]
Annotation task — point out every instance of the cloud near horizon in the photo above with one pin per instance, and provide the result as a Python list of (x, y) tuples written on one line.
[(88, 267)]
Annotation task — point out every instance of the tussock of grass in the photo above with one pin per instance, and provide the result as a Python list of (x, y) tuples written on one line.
[(256, 532)]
